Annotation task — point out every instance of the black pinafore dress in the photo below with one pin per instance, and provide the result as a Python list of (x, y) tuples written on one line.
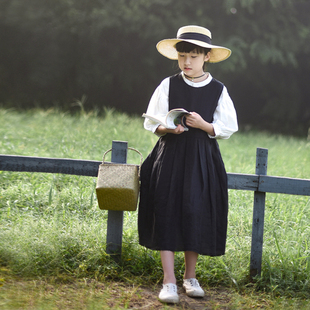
[(183, 196)]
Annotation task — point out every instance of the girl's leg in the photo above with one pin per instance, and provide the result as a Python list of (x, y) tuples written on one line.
[(190, 283), (167, 260), (190, 264), (169, 292)]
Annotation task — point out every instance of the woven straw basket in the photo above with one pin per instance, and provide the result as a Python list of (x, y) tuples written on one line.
[(118, 185)]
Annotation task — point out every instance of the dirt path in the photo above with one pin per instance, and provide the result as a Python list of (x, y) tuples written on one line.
[(215, 299), (67, 293)]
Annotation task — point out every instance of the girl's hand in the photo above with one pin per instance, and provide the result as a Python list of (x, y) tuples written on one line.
[(196, 121), (178, 130), (162, 130)]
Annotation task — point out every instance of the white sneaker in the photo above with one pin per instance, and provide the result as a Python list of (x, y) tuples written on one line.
[(169, 293), (193, 288)]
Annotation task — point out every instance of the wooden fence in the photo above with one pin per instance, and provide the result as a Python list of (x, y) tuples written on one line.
[(259, 182)]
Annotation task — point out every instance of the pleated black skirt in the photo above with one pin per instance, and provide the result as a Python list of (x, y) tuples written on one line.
[(183, 198)]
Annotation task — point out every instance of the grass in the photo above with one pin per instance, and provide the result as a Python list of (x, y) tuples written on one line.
[(53, 234)]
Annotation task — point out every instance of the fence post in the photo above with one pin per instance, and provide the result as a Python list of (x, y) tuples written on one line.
[(258, 216), (115, 218)]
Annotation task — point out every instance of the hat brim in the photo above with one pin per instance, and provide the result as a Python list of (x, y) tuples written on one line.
[(167, 48)]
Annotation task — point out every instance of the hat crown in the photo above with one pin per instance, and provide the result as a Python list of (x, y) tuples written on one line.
[(194, 29)]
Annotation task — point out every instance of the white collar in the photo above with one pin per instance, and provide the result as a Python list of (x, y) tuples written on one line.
[(197, 84)]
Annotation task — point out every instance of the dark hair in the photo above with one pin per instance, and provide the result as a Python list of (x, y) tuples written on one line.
[(186, 47)]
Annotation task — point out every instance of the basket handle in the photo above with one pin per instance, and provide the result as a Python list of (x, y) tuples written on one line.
[(129, 148)]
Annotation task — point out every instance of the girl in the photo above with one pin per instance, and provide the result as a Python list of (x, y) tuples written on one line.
[(183, 198)]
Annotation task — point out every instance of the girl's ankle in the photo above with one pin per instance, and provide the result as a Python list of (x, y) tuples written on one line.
[(169, 280)]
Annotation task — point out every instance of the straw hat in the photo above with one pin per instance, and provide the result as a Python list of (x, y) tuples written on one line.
[(193, 34)]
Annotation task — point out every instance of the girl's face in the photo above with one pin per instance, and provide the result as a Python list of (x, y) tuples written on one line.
[(192, 63)]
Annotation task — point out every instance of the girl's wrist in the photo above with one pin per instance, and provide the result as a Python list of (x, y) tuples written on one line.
[(161, 130), (211, 131), (208, 128)]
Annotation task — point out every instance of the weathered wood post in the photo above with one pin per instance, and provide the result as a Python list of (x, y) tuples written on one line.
[(115, 218), (258, 215)]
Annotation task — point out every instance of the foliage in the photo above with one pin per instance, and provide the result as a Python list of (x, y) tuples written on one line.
[(51, 226), (56, 51)]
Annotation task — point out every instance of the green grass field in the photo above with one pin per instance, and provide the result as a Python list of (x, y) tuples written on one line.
[(51, 228)]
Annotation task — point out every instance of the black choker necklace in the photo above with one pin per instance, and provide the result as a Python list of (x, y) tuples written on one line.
[(193, 78)]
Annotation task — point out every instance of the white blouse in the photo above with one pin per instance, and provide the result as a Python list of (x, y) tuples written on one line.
[(224, 118)]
